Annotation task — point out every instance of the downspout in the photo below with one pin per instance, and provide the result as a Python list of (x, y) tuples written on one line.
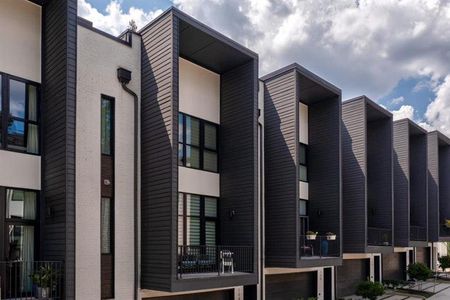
[(124, 77)]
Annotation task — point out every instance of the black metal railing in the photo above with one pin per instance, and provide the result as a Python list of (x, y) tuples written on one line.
[(418, 233), (217, 260), (319, 246), (379, 236), (20, 280)]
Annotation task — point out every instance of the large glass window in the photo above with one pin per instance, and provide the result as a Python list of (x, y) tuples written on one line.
[(19, 114), (302, 162), (197, 220), (198, 145)]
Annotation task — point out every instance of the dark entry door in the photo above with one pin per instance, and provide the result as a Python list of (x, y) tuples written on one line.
[(327, 283), (377, 263)]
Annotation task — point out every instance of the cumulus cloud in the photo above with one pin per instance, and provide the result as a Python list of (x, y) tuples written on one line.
[(364, 46), (405, 111), (115, 20)]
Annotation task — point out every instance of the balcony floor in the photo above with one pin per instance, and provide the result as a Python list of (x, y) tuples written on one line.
[(211, 274)]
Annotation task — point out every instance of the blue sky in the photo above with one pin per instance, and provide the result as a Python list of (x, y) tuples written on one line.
[(395, 52)]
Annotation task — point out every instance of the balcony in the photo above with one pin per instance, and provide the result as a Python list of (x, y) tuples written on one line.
[(379, 236), (418, 233), (211, 261), (31, 280), (318, 248)]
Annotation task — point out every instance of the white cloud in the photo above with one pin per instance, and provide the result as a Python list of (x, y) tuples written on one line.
[(364, 47), (398, 100), (115, 20), (438, 111), (405, 111)]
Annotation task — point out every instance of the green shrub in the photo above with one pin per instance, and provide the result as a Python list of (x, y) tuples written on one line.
[(370, 290), (444, 262), (419, 271)]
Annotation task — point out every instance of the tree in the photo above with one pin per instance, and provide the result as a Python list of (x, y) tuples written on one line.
[(444, 262), (370, 290), (132, 25), (419, 272)]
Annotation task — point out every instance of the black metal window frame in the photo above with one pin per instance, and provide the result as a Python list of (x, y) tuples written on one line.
[(5, 116), (304, 219), (5, 222), (203, 219), (201, 147), (305, 164)]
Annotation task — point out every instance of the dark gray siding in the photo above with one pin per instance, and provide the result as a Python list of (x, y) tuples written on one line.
[(354, 176), (281, 105), (401, 183), (159, 121), (394, 266), (350, 274), (418, 195), (433, 187), (444, 188), (379, 173), (58, 153), (291, 286), (324, 165), (238, 156), (217, 295)]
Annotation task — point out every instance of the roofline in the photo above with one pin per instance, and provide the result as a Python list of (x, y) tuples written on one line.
[(441, 136), (203, 27), (305, 72), (412, 124), (89, 25), (371, 103)]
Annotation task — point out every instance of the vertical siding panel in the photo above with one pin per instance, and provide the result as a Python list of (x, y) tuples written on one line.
[(354, 172), (280, 104), (238, 156), (401, 186), (159, 121), (444, 188), (433, 187), (58, 113)]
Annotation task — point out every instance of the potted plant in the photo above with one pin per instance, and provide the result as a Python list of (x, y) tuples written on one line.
[(444, 262), (447, 223), (419, 272), (386, 239), (44, 280), (331, 236), (311, 235)]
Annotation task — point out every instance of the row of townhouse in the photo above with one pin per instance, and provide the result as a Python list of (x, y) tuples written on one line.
[(157, 165)]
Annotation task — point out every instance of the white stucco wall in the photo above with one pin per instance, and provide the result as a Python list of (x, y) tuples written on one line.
[(20, 36), (199, 96), (199, 93), (98, 60), (20, 170)]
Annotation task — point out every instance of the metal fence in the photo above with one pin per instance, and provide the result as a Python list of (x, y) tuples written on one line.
[(379, 236), (217, 260), (418, 233), (20, 280), (319, 246)]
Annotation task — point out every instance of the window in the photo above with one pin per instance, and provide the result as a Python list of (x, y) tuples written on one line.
[(302, 162), (197, 143), (19, 114), (197, 220), (106, 226), (303, 207), (106, 126), (303, 213)]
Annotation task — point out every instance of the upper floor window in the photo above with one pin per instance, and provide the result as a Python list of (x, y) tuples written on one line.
[(106, 125), (302, 162), (197, 143), (19, 114)]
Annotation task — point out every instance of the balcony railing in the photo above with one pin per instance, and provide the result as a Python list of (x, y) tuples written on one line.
[(320, 246), (379, 236), (418, 233), (214, 260), (21, 280)]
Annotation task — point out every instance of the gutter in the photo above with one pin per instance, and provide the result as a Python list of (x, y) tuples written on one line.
[(124, 77)]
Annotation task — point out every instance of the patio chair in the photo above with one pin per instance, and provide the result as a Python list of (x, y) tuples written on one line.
[(226, 261)]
